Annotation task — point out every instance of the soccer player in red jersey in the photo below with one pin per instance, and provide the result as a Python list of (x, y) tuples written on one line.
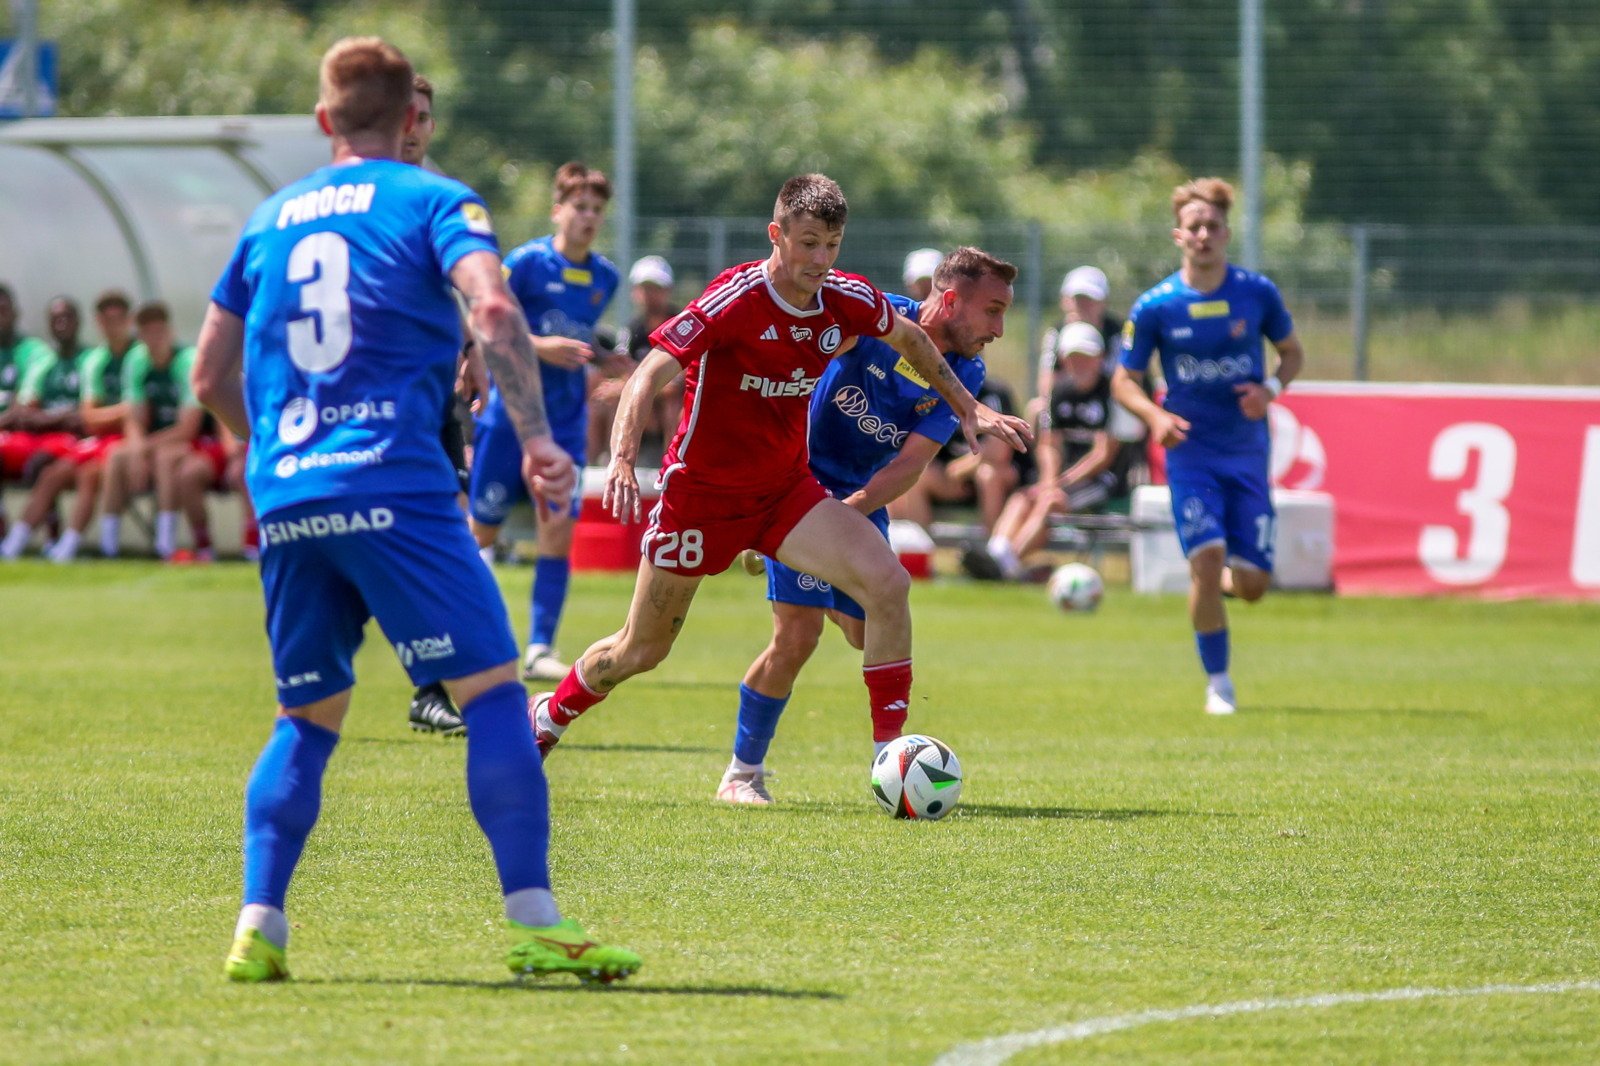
[(735, 476)]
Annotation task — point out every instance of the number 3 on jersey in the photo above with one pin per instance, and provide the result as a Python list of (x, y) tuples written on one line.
[(673, 550), (321, 340)]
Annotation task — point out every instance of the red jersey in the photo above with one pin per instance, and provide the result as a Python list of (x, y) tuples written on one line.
[(751, 363)]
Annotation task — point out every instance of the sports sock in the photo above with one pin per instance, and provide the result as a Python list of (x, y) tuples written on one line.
[(532, 906), (572, 697), (270, 922), (16, 539), (1005, 555), (166, 533), (487, 555), (1213, 651), (889, 689), (110, 535), (506, 788), (281, 803), (551, 575), (202, 537), (66, 549), (878, 746), (758, 721)]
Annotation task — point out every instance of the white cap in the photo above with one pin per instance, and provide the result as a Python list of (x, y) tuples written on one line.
[(921, 264), (651, 270), (1082, 338), (1086, 281)]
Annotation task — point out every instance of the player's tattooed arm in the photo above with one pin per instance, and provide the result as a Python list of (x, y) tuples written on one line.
[(909, 340), (501, 334), (621, 496)]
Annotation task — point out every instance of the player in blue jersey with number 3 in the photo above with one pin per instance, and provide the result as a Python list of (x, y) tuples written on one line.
[(874, 426), (1207, 321), (331, 343)]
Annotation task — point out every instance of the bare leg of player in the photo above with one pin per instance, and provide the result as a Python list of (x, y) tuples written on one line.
[(1210, 618)]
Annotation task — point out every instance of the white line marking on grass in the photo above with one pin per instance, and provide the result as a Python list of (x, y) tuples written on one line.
[(998, 1049)]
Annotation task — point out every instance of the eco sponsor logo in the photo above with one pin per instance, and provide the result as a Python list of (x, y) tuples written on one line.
[(854, 404), (1228, 368), (314, 527), (810, 583)]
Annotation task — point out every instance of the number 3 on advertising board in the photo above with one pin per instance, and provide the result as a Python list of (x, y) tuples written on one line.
[(1483, 502)]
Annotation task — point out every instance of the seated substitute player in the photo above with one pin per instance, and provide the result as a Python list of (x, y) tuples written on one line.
[(754, 346), (17, 353), (874, 425), (1085, 455), (1207, 321), (101, 411), (563, 286), (45, 424), (357, 505), (961, 475)]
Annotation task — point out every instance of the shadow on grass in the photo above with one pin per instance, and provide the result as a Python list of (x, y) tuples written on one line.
[(1087, 814), (622, 989), (1387, 712)]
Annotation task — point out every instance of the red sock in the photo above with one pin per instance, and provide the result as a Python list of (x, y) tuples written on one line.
[(889, 688), (202, 538), (572, 697)]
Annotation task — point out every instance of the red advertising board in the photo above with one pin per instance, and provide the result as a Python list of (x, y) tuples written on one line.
[(1476, 489)]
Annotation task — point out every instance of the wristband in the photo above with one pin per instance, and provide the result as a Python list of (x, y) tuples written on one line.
[(1274, 386)]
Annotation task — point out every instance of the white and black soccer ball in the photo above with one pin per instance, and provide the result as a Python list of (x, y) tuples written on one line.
[(1076, 587), (916, 777)]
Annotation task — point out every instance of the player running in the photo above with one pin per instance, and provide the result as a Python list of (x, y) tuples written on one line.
[(1207, 321), (875, 424), (331, 342), (563, 286), (754, 346)]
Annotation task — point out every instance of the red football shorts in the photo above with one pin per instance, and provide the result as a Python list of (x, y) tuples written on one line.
[(95, 449), (700, 533), (17, 448), (211, 448)]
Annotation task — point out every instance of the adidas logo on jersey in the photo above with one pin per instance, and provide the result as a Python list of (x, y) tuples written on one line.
[(770, 333)]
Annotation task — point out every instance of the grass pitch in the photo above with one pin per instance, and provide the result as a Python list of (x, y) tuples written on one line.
[(1408, 799)]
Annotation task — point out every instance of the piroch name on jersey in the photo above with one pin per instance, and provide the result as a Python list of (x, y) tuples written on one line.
[(326, 201)]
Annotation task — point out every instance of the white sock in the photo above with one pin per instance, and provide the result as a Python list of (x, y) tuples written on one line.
[(878, 746), (110, 535), (536, 650), (16, 540), (1221, 683), (66, 549), (166, 533), (487, 555), (532, 906), (743, 767), (1005, 555), (268, 921), (543, 721)]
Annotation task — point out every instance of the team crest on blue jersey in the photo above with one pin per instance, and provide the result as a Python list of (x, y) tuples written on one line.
[(1237, 328), (477, 218), (926, 404)]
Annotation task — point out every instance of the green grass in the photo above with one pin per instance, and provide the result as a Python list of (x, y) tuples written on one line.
[(1408, 799)]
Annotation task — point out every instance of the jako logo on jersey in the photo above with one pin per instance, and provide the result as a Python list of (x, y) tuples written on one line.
[(877, 372), (329, 200), (800, 333), (1227, 368), (853, 402), (798, 385), (1179, 333), (830, 340), (316, 526), (425, 649), (290, 465)]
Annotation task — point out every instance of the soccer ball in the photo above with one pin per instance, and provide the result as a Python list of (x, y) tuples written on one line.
[(1076, 587), (916, 777)]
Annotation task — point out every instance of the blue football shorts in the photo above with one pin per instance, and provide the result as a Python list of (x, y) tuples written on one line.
[(788, 585), (496, 483), (1228, 501), (408, 561)]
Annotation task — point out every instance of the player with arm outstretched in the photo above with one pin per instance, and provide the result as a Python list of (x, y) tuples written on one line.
[(1207, 321), (875, 424), (735, 476), (331, 342)]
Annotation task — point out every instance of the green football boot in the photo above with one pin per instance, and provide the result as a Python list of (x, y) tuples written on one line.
[(255, 958), (566, 948)]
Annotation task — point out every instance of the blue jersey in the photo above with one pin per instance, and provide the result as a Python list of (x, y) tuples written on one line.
[(351, 331), (1209, 342), (560, 298), (869, 398)]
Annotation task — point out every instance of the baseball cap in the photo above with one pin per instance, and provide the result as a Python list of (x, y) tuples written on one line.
[(651, 270), (921, 264), (1082, 338), (1086, 281)]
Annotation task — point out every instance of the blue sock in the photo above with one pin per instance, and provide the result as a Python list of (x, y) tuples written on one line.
[(1213, 651), (550, 577), (758, 721), (281, 803), (506, 786)]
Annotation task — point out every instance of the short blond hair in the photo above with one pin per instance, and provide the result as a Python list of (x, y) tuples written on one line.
[(366, 86), (1214, 191)]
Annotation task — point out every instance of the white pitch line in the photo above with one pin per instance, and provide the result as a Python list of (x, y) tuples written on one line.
[(998, 1049)]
